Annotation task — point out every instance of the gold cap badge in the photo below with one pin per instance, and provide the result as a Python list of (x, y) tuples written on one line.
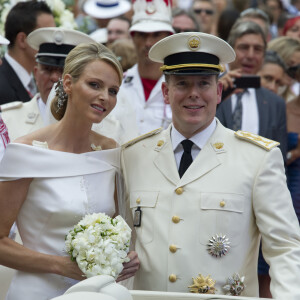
[(194, 43)]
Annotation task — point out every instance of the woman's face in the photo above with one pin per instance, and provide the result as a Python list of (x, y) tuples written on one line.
[(94, 94)]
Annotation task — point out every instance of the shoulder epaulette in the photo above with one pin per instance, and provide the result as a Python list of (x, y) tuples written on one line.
[(142, 137), (11, 105), (256, 139)]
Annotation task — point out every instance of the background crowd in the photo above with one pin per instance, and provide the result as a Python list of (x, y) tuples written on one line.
[(265, 35)]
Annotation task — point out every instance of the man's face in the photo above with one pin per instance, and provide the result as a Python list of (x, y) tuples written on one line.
[(250, 51), (45, 77), (117, 29), (193, 101), (204, 12), (143, 41), (183, 23)]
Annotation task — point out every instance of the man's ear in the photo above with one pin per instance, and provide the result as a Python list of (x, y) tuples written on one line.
[(21, 40), (165, 92)]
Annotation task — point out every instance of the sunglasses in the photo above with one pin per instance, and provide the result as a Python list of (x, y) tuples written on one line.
[(207, 11)]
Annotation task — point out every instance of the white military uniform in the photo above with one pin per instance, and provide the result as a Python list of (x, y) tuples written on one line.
[(132, 105), (233, 188), (22, 118)]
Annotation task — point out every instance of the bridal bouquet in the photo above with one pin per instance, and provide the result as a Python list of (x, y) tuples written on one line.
[(99, 244)]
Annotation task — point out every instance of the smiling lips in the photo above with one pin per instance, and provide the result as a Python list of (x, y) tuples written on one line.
[(193, 106), (98, 107)]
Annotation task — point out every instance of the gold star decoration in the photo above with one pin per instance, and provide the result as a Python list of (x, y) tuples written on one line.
[(203, 285)]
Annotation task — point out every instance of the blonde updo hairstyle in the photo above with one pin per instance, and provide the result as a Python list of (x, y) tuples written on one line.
[(76, 61)]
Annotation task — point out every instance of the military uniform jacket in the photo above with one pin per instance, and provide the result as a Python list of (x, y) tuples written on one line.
[(233, 188), (147, 115), (22, 118)]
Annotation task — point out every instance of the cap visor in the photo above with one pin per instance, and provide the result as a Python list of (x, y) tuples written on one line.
[(192, 71), (3, 40)]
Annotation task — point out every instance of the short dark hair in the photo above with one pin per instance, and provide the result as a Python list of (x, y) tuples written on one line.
[(23, 18)]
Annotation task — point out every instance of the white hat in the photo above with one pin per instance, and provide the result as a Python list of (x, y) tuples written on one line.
[(54, 44), (98, 287), (99, 35), (3, 40), (105, 9), (192, 53), (152, 16)]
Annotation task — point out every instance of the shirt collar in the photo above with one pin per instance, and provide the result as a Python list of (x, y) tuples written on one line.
[(199, 139), (23, 75)]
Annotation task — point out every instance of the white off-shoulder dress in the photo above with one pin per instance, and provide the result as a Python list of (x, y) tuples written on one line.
[(65, 187)]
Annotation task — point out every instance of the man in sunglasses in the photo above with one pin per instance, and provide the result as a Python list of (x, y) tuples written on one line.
[(204, 12)]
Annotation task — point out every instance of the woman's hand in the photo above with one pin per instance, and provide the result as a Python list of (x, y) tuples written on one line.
[(130, 268), (68, 268)]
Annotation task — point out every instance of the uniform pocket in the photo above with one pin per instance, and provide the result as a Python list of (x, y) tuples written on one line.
[(146, 201), (221, 213)]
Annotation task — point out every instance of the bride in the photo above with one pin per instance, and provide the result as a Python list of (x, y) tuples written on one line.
[(52, 177)]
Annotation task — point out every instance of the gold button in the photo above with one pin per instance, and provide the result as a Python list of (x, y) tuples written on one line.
[(179, 191), (175, 219), (138, 200), (173, 248), (222, 203), (160, 143), (172, 278)]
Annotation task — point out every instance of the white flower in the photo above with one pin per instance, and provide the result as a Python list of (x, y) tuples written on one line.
[(99, 244)]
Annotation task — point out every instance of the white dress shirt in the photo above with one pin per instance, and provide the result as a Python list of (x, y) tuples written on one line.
[(23, 75), (250, 120), (198, 139)]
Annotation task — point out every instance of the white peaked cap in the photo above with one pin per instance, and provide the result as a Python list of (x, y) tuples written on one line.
[(102, 287), (3, 40), (54, 43), (152, 16), (192, 52), (106, 9)]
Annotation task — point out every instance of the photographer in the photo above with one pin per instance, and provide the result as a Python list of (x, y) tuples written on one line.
[(256, 110)]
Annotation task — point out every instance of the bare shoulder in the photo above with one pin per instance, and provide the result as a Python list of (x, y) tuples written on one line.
[(102, 141), (40, 135)]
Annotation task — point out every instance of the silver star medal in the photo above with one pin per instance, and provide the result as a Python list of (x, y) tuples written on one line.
[(218, 245)]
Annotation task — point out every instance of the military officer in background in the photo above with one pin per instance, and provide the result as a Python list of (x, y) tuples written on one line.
[(140, 99), (53, 45), (200, 196)]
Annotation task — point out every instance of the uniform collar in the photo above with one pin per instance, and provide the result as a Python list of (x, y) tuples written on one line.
[(199, 139)]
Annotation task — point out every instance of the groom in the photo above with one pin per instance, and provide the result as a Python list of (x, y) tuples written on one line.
[(201, 196)]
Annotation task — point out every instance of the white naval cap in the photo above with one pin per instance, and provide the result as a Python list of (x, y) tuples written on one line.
[(101, 287), (54, 44), (152, 16), (106, 9), (3, 40), (192, 53)]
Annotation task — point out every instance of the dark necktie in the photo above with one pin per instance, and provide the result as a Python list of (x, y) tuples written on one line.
[(238, 113), (186, 158)]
